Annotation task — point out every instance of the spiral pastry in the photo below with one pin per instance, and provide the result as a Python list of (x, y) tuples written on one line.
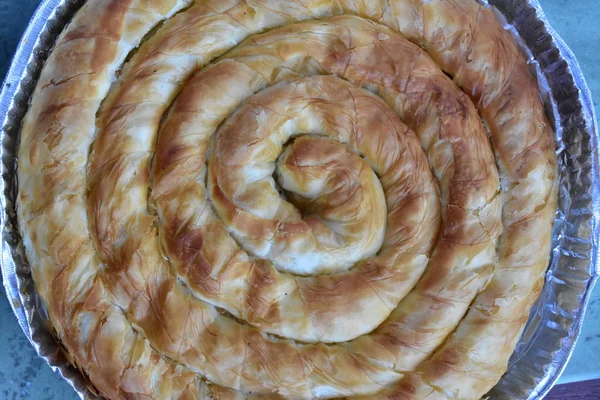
[(267, 199)]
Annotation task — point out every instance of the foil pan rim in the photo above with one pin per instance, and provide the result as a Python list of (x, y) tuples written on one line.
[(9, 87), (16, 288), (586, 100), (585, 97), (11, 279)]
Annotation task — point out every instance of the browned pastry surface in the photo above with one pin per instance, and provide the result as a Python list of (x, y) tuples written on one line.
[(287, 199)]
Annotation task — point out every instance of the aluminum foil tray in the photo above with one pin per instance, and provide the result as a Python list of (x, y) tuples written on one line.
[(555, 321)]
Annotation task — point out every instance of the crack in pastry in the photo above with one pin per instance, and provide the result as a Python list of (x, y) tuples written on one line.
[(113, 298)]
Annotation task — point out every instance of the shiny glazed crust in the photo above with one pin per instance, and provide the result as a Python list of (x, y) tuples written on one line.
[(287, 199)]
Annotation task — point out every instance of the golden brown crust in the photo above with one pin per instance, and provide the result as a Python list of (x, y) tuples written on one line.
[(362, 204)]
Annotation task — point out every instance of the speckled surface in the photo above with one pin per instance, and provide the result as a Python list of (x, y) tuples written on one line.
[(23, 375)]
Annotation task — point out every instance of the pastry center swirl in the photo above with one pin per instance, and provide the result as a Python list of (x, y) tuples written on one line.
[(337, 215), (360, 189), (341, 198)]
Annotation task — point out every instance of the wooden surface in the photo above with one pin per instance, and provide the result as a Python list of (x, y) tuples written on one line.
[(588, 390)]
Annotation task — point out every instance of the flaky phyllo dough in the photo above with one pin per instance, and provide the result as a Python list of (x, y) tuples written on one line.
[(252, 199)]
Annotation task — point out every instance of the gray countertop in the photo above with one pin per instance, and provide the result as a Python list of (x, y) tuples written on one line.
[(23, 375)]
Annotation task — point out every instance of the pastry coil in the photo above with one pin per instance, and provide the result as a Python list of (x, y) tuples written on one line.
[(287, 199)]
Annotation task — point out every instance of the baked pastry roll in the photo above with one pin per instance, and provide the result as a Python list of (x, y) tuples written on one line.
[(287, 199)]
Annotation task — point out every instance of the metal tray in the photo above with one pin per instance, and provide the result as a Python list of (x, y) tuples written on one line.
[(556, 319)]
